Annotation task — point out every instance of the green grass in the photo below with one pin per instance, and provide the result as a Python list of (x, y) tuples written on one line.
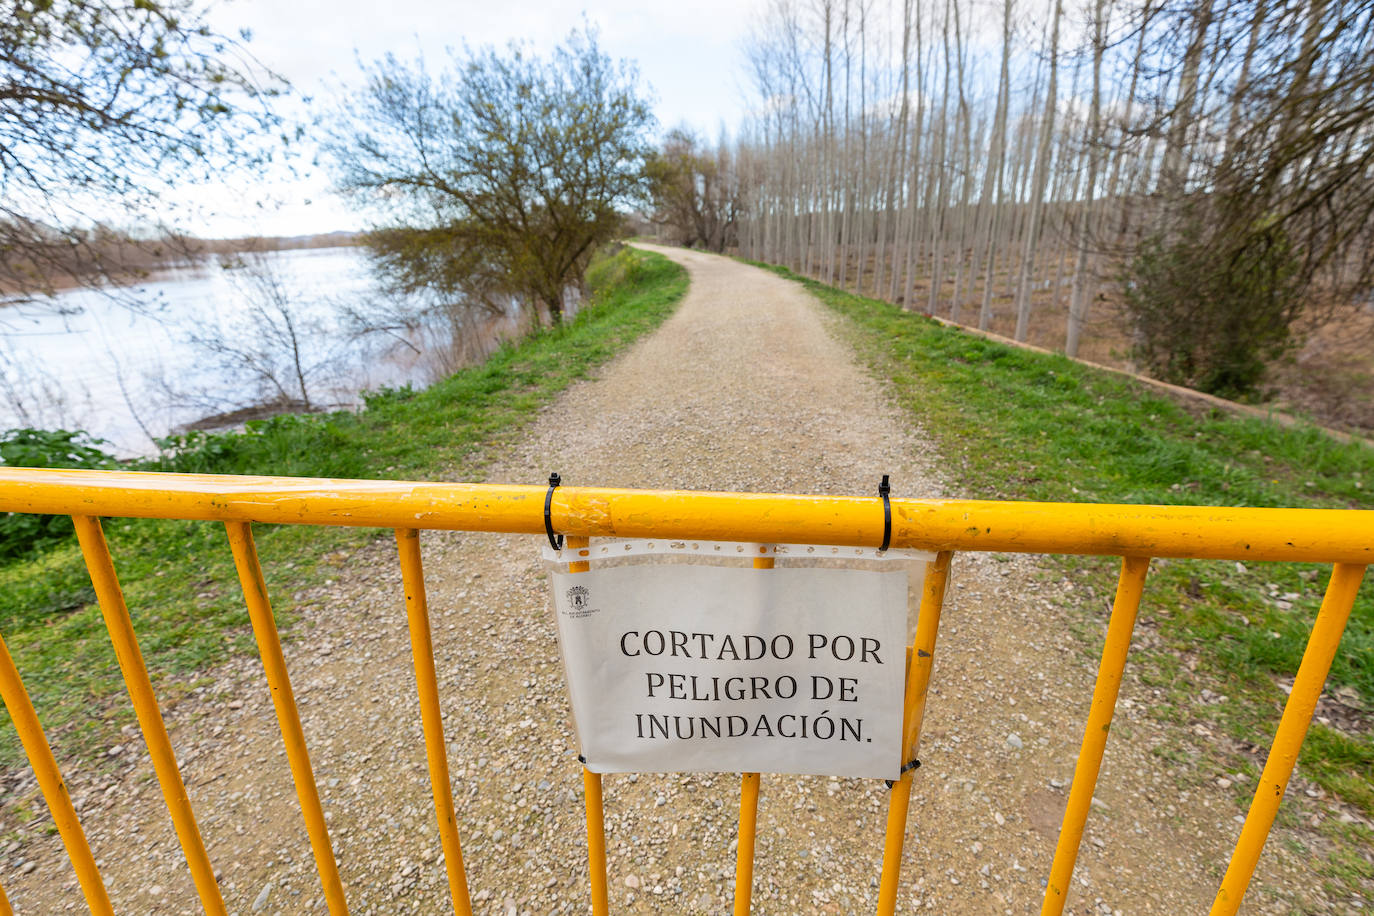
[(1342, 764), (1347, 866), (1015, 424), (178, 577)]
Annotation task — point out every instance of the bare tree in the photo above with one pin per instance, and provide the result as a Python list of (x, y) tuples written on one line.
[(267, 338), (105, 105), (506, 164), (1039, 180), (1237, 116), (697, 196), (1084, 286), (993, 178)]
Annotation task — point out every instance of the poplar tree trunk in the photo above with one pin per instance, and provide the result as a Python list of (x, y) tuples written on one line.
[(1038, 183), (997, 158), (1084, 286), (901, 151), (1172, 176), (937, 225)]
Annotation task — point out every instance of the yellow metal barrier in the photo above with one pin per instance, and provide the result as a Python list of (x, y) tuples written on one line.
[(1134, 533)]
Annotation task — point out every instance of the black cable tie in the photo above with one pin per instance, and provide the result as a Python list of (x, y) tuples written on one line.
[(556, 542), (913, 765), (885, 491), (582, 759)]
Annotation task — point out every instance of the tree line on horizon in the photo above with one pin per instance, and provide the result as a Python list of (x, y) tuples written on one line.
[(1207, 165)]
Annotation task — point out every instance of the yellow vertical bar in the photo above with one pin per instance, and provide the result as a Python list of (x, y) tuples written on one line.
[(1129, 587), (596, 842), (5, 908), (591, 789), (121, 630), (748, 820), (279, 683), (54, 789), (1297, 716), (744, 854), (914, 710), (427, 685)]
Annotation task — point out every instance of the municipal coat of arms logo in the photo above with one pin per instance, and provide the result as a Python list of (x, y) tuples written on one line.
[(579, 597)]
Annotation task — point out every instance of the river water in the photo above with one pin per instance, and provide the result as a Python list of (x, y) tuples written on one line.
[(144, 361)]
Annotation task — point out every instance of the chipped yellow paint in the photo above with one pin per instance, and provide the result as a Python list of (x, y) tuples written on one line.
[(1283, 753), (54, 789), (288, 717), (121, 630), (920, 662), (431, 716), (1129, 588), (747, 835)]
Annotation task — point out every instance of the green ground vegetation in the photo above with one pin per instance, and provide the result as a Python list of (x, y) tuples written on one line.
[(178, 577), (1016, 424)]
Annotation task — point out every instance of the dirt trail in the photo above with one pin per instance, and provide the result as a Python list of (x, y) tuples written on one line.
[(750, 386)]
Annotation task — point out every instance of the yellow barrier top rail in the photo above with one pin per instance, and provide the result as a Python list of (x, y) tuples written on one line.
[(1200, 532)]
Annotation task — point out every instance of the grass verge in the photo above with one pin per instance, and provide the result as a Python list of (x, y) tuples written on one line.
[(1015, 424), (178, 577)]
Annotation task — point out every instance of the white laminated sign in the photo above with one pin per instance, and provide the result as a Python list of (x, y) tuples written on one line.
[(678, 668)]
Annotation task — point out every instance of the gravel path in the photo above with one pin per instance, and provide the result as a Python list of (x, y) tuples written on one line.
[(750, 386)]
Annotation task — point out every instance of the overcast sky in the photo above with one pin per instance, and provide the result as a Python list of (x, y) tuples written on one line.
[(688, 54)]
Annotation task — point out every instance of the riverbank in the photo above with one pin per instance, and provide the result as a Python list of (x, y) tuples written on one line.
[(141, 262), (134, 364), (178, 577)]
